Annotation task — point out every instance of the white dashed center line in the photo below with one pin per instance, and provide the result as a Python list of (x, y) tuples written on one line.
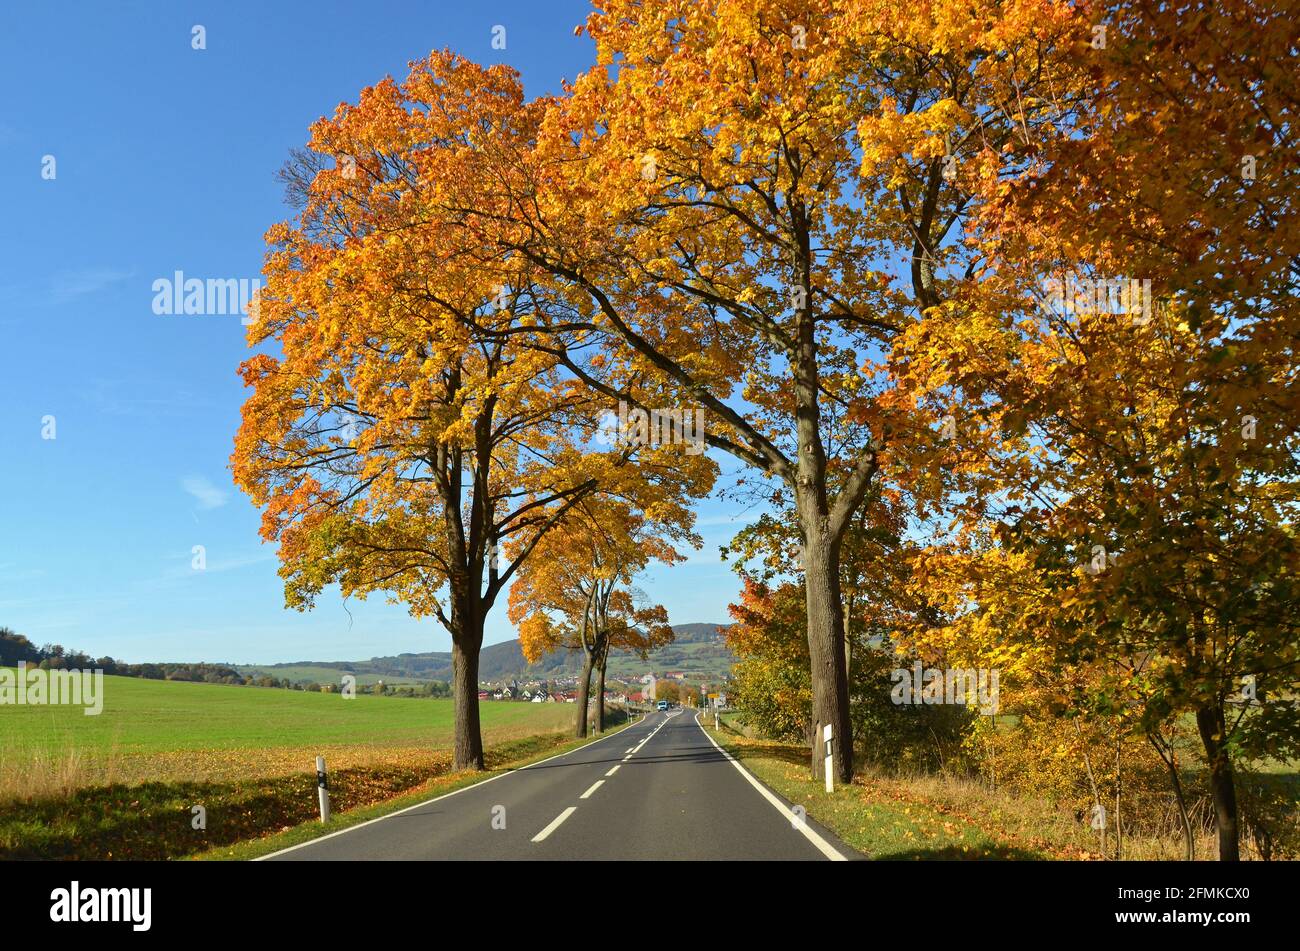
[(631, 751), (555, 823)]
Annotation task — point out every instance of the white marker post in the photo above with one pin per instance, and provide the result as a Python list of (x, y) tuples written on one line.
[(323, 789), (830, 760)]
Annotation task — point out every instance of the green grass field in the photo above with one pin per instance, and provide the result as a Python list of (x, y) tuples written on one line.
[(142, 716), (122, 784), (152, 729), (313, 673)]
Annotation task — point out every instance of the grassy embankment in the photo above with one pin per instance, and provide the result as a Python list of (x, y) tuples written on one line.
[(919, 817)]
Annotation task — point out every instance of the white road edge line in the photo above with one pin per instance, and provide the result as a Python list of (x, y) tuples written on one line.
[(809, 833), (426, 802), (555, 823), (594, 786)]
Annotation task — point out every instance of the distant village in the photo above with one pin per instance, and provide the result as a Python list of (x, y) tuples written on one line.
[(645, 689)]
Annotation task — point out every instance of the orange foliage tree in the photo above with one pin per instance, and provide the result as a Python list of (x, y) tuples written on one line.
[(744, 204), (577, 593), (400, 441), (1133, 452)]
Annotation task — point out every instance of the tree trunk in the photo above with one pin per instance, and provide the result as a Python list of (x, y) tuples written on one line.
[(1223, 787), (1166, 752), (830, 684), (584, 690), (600, 696), (468, 753)]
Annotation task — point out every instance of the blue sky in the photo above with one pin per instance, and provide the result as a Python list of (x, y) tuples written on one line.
[(165, 160)]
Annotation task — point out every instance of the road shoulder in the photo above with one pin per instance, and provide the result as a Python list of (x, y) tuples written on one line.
[(864, 818), (822, 839)]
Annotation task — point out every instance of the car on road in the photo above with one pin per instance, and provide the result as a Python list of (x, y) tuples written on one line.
[(662, 705)]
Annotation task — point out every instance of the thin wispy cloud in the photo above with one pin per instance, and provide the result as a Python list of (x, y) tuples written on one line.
[(242, 561), (205, 493), (72, 285), (183, 567)]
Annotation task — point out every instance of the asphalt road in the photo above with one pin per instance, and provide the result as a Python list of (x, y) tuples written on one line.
[(658, 790)]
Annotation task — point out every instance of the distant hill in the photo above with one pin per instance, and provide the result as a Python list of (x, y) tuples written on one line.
[(698, 649)]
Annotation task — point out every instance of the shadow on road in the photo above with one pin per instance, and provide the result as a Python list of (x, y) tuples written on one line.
[(701, 754)]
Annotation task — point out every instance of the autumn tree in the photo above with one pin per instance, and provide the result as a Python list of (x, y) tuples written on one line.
[(398, 441), (874, 560), (724, 207), (771, 686), (770, 682), (720, 221), (1127, 383), (577, 592), (668, 690)]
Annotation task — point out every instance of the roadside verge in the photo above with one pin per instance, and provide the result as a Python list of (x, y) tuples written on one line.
[(864, 816)]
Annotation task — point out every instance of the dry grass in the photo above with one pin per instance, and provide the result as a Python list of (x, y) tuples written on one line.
[(923, 815), (1035, 823), (31, 774)]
